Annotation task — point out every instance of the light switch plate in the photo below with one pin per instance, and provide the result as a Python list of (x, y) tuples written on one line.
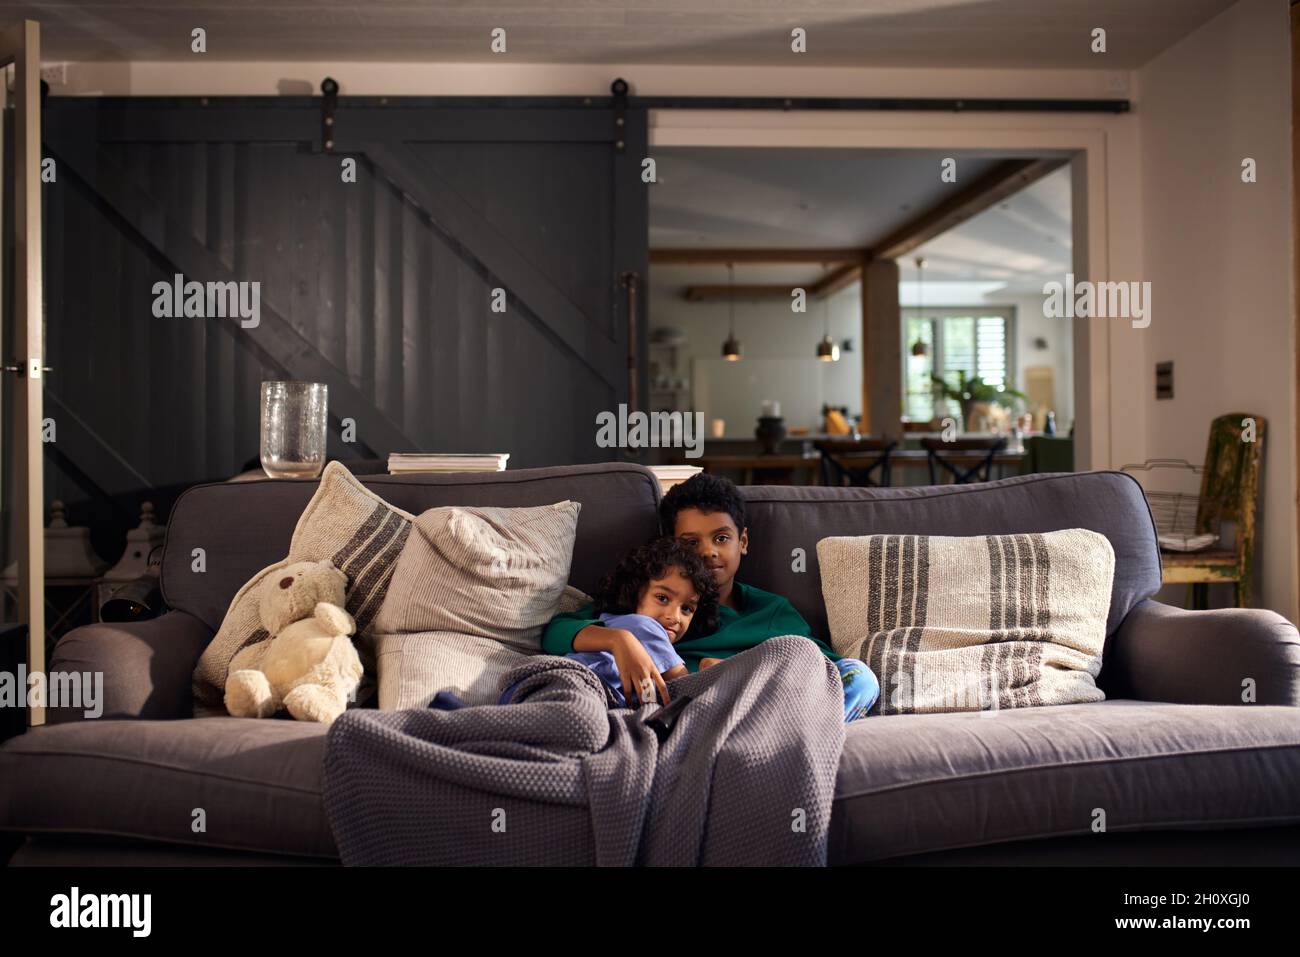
[(1165, 380)]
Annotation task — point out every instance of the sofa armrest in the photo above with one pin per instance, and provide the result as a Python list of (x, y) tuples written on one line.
[(147, 666), (1161, 653)]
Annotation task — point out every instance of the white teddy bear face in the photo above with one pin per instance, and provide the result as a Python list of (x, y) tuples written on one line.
[(291, 593)]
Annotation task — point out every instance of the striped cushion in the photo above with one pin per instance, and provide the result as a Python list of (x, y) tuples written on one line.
[(971, 624), (472, 591), (344, 523)]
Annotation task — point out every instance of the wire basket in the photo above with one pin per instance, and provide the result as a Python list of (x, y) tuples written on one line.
[(1175, 511)]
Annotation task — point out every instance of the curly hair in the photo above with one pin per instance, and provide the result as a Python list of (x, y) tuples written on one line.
[(619, 592), (708, 493)]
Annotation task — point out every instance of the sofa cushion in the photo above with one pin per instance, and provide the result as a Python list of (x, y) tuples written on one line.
[(913, 784), (259, 782), (971, 623), (784, 518), (245, 526), (472, 591)]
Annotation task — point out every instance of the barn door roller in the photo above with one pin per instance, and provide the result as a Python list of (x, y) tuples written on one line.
[(329, 87), (619, 89)]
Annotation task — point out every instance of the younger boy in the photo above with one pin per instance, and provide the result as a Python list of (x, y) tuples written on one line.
[(657, 592)]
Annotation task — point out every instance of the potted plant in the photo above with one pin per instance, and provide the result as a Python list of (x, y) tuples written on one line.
[(971, 392)]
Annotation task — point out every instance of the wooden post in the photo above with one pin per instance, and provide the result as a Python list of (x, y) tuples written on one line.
[(20, 45), (882, 344), (865, 353), (1295, 234)]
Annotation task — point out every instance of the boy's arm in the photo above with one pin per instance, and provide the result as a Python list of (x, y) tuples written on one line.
[(557, 638), (786, 620), (579, 631)]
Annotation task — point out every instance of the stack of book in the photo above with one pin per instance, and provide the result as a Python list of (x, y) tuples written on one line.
[(670, 475), (400, 463)]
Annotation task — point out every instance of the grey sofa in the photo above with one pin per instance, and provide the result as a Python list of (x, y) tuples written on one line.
[(1182, 770)]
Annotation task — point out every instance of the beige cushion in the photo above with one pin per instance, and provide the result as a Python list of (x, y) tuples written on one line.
[(971, 624), (344, 523), (473, 589)]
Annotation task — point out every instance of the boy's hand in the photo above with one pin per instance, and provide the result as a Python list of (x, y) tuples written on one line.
[(676, 671), (709, 662), (635, 666)]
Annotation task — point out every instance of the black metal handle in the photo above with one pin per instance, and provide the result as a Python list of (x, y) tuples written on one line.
[(629, 281)]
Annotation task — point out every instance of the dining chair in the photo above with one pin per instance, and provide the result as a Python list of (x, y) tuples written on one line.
[(852, 462), (948, 457)]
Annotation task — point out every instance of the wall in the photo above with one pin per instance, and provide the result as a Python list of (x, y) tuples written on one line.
[(1032, 324), (1218, 255)]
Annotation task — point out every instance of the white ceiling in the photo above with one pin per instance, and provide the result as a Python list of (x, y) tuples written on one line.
[(814, 198), (796, 197), (934, 33)]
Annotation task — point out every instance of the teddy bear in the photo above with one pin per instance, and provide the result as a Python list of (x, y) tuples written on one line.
[(309, 665)]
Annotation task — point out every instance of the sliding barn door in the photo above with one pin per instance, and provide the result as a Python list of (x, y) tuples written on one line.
[(451, 268), (533, 211)]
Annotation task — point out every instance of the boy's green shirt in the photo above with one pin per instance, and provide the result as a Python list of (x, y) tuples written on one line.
[(761, 615)]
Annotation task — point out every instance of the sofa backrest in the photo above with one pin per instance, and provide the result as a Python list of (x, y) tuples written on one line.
[(781, 519), (245, 526)]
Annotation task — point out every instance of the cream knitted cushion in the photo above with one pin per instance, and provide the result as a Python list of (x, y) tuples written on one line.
[(472, 591), (345, 523), (971, 624)]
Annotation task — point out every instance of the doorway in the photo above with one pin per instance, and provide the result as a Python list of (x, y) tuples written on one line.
[(857, 280), (1101, 150)]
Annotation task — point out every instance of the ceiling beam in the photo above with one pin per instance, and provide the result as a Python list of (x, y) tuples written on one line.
[(702, 257), (837, 279), (831, 283), (1005, 179)]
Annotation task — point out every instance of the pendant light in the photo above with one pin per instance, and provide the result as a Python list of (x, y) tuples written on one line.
[(827, 350), (919, 347), (731, 348)]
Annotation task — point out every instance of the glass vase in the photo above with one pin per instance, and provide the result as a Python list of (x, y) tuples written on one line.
[(294, 421)]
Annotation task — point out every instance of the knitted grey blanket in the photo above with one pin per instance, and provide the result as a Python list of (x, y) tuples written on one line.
[(740, 772)]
